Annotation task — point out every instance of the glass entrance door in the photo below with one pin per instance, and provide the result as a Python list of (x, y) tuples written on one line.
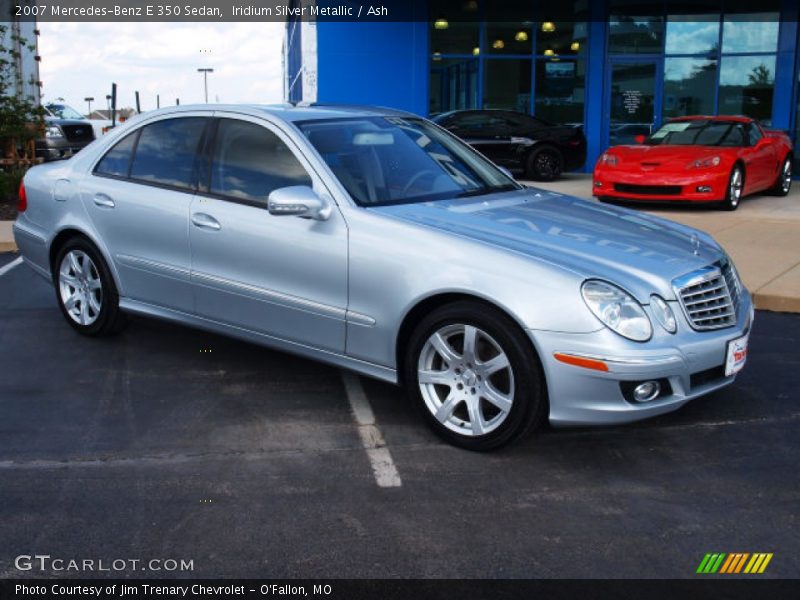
[(633, 105)]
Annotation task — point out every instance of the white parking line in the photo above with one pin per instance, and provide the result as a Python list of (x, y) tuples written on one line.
[(383, 466), (14, 263)]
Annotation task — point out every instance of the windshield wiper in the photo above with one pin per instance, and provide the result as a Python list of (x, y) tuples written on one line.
[(481, 191)]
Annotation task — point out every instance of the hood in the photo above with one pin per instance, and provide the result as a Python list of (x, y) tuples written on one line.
[(675, 158), (57, 121), (638, 251)]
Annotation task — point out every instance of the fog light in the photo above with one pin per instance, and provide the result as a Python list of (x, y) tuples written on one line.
[(647, 391), (704, 189), (598, 184)]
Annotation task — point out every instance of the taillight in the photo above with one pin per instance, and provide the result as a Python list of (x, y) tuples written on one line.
[(22, 202)]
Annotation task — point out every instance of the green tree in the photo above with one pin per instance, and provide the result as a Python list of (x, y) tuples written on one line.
[(21, 118), (760, 76)]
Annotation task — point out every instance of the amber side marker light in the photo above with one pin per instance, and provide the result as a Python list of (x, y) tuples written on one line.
[(579, 361)]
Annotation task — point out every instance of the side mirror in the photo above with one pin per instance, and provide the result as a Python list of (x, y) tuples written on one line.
[(298, 201), (639, 139)]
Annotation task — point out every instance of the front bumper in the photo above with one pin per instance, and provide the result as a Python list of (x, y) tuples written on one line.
[(57, 148), (605, 182), (691, 361)]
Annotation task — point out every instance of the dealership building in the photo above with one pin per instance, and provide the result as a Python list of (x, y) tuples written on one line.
[(618, 67)]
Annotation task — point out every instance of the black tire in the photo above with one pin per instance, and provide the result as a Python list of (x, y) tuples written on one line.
[(783, 181), (528, 406), (731, 201), (109, 319), (545, 164)]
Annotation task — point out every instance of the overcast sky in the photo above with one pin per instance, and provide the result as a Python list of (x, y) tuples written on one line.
[(83, 59)]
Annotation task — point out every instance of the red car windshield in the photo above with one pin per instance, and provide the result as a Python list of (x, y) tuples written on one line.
[(699, 133)]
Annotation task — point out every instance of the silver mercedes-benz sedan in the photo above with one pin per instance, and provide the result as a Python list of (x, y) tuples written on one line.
[(375, 240)]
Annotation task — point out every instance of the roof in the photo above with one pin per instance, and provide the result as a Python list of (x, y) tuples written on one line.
[(737, 118), (289, 112)]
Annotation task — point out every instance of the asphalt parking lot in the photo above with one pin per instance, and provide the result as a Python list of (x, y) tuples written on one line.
[(166, 442)]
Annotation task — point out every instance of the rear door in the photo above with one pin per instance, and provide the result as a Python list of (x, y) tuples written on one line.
[(278, 275), (138, 197), (487, 132)]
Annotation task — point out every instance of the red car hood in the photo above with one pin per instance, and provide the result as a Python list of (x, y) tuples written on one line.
[(672, 158)]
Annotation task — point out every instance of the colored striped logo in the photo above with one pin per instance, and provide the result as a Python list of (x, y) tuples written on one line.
[(737, 562)]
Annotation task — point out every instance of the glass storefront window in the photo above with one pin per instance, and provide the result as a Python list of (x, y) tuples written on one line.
[(757, 32), (560, 90), (692, 34), (561, 38), (635, 35), (453, 85), (689, 86), (509, 38), (746, 86), (507, 84), (454, 38)]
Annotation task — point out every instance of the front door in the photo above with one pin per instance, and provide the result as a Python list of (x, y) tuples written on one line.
[(633, 105), (283, 276)]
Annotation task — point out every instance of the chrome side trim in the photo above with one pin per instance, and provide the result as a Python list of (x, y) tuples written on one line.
[(271, 296), (355, 318), (381, 372), (151, 265)]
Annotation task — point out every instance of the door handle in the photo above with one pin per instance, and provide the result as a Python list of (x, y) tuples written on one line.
[(103, 201), (205, 221)]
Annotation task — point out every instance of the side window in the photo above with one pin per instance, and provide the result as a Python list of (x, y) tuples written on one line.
[(754, 133), (735, 136), (117, 161), (166, 152), (250, 162)]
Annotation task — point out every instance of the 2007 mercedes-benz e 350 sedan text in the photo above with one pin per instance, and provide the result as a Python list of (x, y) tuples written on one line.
[(375, 240)]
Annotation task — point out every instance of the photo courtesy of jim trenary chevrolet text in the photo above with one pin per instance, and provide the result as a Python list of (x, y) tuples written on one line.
[(400, 299)]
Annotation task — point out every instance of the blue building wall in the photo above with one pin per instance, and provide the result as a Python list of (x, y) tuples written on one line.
[(374, 63)]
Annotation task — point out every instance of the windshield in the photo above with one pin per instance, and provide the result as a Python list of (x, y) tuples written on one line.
[(62, 111), (698, 132), (394, 160)]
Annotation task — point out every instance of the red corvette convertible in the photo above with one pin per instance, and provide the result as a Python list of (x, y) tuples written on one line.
[(698, 159)]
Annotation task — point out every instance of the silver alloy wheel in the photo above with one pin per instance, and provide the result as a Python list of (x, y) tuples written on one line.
[(786, 184), (736, 187), (80, 287), (466, 379)]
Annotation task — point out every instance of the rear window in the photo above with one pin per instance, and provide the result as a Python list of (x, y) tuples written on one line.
[(117, 161), (167, 150)]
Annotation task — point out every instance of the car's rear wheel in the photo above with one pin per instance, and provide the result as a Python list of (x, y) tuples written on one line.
[(85, 289), (545, 164), (783, 183), (474, 376), (735, 187)]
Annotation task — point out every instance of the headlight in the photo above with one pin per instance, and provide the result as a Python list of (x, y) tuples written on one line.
[(705, 163), (663, 313), (610, 160), (52, 131), (617, 310)]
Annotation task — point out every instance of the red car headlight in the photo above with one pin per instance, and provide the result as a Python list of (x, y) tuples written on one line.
[(704, 163), (609, 160)]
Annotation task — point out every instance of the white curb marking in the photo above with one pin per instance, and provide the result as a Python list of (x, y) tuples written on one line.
[(383, 466), (11, 265)]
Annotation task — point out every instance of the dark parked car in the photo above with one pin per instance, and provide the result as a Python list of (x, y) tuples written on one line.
[(519, 142), (66, 132)]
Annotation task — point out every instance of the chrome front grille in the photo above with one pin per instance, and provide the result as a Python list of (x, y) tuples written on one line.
[(710, 296)]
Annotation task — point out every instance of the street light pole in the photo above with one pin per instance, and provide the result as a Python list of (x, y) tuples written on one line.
[(205, 73), (89, 101)]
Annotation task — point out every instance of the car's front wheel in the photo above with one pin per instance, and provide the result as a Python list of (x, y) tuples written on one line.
[(475, 376), (733, 195), (85, 289), (545, 164)]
